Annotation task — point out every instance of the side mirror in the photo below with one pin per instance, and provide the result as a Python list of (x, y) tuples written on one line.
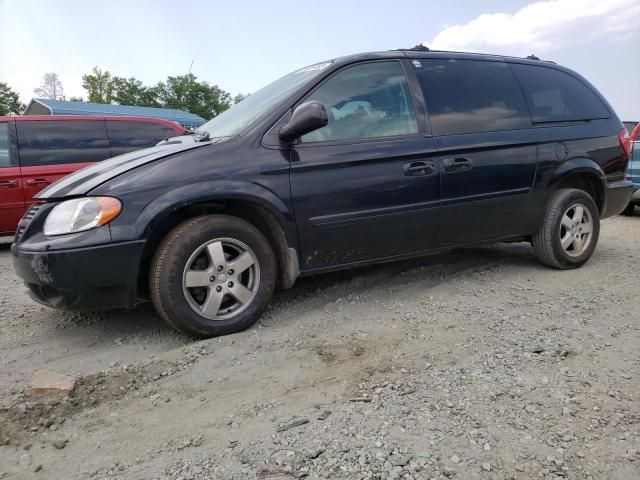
[(306, 118)]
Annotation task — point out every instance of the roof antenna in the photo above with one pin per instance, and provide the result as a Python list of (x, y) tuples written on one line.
[(532, 57), (420, 47), (175, 110)]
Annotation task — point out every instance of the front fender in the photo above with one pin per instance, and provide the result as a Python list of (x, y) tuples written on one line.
[(208, 191)]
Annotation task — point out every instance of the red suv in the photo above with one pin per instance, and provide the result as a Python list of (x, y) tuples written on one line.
[(38, 150)]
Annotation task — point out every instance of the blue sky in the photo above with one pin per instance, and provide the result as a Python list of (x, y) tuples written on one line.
[(243, 45)]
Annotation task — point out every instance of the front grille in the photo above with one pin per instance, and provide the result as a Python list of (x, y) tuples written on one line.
[(26, 220)]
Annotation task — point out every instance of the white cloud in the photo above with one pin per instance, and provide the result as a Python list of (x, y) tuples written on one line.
[(543, 26)]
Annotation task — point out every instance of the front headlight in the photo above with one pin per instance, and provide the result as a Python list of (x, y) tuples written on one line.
[(81, 214)]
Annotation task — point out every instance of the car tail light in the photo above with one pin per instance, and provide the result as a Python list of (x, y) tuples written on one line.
[(625, 144)]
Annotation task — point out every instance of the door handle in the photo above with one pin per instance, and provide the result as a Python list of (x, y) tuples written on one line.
[(9, 184), (418, 168), (457, 164), (37, 182)]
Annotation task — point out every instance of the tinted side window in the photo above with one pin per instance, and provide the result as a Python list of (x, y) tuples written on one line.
[(5, 151), (556, 96), (126, 136), (630, 126), (365, 101), (469, 96), (65, 141)]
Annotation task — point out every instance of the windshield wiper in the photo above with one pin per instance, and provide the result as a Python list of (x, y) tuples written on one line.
[(201, 136)]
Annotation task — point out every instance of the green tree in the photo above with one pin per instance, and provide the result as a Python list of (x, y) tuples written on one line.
[(9, 101), (184, 92), (51, 87), (99, 86), (239, 97), (130, 91), (200, 98)]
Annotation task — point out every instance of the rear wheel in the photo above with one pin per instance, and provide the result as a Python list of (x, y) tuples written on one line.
[(212, 275), (570, 230)]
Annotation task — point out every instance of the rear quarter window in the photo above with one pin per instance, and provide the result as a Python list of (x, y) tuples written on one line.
[(64, 141), (556, 96), (5, 150), (127, 136)]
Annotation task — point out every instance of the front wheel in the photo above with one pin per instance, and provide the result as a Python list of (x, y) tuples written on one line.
[(212, 275), (570, 230)]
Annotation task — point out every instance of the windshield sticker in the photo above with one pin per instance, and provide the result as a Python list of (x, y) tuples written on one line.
[(315, 67), (417, 64)]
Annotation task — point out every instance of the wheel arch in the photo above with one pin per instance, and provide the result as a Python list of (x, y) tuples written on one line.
[(254, 204), (582, 174)]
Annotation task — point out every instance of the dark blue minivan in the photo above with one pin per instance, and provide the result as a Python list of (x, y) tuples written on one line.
[(362, 159)]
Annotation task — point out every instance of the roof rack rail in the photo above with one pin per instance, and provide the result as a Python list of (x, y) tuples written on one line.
[(418, 48), (424, 48)]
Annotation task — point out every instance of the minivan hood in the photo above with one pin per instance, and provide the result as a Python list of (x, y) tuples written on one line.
[(85, 180)]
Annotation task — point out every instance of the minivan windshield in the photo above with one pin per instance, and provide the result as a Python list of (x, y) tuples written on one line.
[(243, 115)]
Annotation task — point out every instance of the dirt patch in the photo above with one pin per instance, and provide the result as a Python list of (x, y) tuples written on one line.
[(332, 354), (28, 416)]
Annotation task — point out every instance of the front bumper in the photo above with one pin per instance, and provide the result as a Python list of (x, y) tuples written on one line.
[(98, 277), (617, 197)]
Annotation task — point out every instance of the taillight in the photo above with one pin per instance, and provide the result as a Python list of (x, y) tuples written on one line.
[(625, 144)]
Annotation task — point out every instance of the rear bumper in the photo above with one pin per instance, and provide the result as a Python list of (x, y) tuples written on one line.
[(617, 197), (97, 277)]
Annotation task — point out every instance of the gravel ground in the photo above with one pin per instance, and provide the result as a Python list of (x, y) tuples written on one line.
[(480, 363)]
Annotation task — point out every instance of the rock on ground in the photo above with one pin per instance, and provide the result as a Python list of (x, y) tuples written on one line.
[(46, 382)]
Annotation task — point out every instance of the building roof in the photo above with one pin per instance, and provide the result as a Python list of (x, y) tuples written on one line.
[(63, 107)]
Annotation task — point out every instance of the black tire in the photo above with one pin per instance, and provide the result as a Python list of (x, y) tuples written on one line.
[(170, 297), (547, 241), (629, 210)]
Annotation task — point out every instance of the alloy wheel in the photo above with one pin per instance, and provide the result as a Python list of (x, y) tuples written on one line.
[(221, 278), (576, 230)]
